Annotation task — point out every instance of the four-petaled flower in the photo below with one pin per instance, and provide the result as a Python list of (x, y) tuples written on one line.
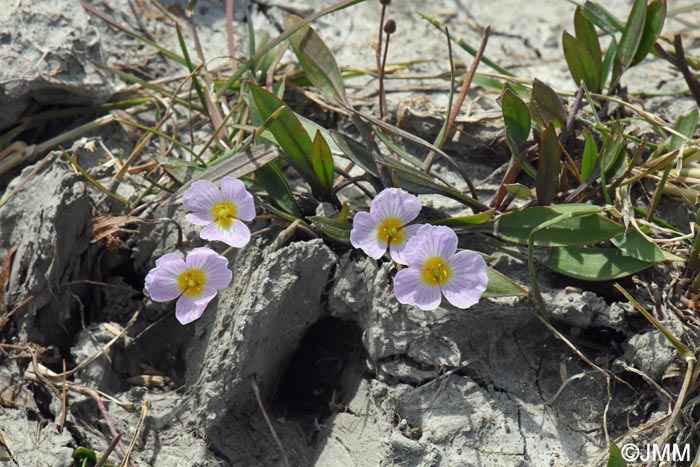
[(385, 225), (436, 268), (195, 280), (221, 210)]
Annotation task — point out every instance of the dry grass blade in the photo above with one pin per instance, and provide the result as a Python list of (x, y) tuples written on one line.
[(139, 425), (5, 271), (270, 426), (107, 227), (105, 455)]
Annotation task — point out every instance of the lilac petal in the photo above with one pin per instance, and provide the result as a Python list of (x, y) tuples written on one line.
[(233, 190), (429, 241), (189, 309), (201, 196), (200, 218), (410, 289), (395, 202), (468, 281), (364, 236), (161, 281), (397, 249), (236, 235), (214, 266)]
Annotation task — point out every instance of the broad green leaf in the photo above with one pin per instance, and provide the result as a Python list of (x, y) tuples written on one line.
[(590, 156), (686, 126), (519, 191), (593, 264), (546, 106), (316, 60), (582, 65), (502, 286), (516, 116), (602, 17), (288, 132), (635, 245), (587, 35), (335, 229), (322, 161), (586, 228), (272, 180), (616, 459), (653, 24), (548, 166), (476, 219), (629, 42)]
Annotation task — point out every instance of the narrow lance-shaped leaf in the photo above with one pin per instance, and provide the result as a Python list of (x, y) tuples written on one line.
[(587, 35), (602, 17), (317, 60), (582, 66), (590, 156), (501, 285), (653, 24), (608, 61), (629, 42), (322, 161), (635, 245), (546, 106), (685, 125), (517, 120), (616, 459), (272, 180), (333, 228), (548, 167)]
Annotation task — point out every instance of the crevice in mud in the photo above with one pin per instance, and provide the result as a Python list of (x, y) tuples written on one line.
[(323, 372)]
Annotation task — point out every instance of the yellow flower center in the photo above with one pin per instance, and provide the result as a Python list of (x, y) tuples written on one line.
[(224, 213), (192, 282), (390, 231), (436, 271)]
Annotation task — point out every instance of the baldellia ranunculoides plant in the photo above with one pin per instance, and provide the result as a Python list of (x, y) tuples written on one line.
[(435, 268), (196, 280)]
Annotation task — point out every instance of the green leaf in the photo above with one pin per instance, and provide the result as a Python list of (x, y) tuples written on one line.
[(608, 61), (335, 229), (272, 180), (84, 457), (476, 219), (616, 459), (322, 161), (586, 228), (590, 156), (501, 286), (519, 191), (356, 152), (582, 65), (635, 245), (548, 167), (516, 116), (593, 264), (316, 60), (289, 134), (612, 150), (546, 106), (653, 24), (587, 35), (629, 42), (602, 17), (686, 125)]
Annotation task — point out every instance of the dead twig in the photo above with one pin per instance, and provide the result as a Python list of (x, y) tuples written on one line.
[(270, 426)]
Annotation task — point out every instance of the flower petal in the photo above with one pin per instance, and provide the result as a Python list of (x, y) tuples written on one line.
[(429, 241), (161, 281), (468, 281), (234, 190), (410, 289), (214, 266), (397, 249), (200, 217), (236, 235), (364, 236), (395, 202), (189, 309), (201, 196)]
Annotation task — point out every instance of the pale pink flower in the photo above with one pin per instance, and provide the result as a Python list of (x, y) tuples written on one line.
[(436, 269), (385, 225), (221, 211), (194, 281)]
